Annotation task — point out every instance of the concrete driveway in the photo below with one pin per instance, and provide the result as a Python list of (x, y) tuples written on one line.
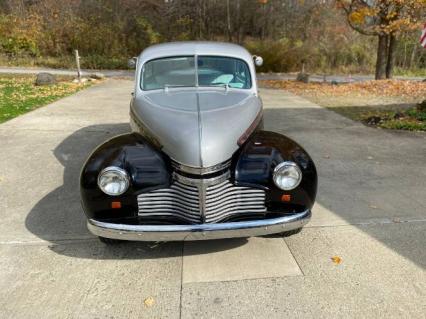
[(371, 212)]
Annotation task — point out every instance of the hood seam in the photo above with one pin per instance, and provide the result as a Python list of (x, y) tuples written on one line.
[(200, 130)]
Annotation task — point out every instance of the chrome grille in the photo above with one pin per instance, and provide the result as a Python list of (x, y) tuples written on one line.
[(225, 199), (202, 202), (179, 200)]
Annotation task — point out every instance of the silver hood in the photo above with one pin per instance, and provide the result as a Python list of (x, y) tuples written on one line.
[(197, 127)]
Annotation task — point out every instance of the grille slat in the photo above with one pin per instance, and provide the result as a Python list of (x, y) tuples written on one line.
[(167, 204), (225, 206), (183, 201), (233, 195)]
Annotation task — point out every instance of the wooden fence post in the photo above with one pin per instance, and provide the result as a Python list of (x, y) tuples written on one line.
[(77, 61)]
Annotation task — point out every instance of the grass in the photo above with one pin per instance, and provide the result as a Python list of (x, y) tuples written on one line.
[(19, 94), (389, 104), (410, 72), (411, 119), (66, 62)]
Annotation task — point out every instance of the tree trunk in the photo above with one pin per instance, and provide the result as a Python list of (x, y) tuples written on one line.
[(382, 53), (404, 60), (391, 56), (413, 56), (238, 22), (228, 20)]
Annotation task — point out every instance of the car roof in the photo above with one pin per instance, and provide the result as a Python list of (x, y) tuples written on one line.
[(195, 48)]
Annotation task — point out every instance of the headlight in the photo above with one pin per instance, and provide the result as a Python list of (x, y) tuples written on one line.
[(113, 181), (287, 175)]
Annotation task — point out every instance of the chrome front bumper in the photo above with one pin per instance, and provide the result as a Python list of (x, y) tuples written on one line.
[(199, 231)]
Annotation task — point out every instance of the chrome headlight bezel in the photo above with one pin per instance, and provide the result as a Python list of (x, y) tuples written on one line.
[(283, 166), (118, 172)]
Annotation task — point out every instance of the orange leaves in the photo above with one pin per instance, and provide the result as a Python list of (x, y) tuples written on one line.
[(358, 16), (336, 260), (149, 302), (397, 88), (390, 16)]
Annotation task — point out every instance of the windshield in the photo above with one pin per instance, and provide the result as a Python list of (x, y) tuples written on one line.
[(181, 71)]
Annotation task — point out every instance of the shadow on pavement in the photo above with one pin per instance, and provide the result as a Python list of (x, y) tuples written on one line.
[(59, 218), (367, 177)]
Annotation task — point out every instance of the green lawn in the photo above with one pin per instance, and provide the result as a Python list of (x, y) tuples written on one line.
[(19, 95)]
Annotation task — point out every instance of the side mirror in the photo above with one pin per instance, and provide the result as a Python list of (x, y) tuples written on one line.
[(131, 63), (258, 60)]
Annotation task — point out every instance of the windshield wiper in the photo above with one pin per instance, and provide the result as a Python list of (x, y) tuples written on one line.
[(170, 86), (225, 85)]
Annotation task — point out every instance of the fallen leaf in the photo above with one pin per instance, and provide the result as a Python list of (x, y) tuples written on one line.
[(336, 259), (149, 302), (393, 88)]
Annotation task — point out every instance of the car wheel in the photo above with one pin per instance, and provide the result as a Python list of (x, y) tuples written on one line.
[(110, 241)]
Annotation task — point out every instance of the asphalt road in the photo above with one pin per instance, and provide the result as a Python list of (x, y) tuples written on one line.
[(371, 213), (262, 76)]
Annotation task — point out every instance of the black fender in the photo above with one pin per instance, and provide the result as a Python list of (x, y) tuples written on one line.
[(256, 161), (147, 166)]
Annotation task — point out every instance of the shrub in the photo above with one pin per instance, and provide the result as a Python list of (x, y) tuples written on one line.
[(18, 37)]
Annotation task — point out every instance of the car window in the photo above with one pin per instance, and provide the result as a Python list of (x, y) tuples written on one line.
[(214, 70), (181, 72), (176, 71)]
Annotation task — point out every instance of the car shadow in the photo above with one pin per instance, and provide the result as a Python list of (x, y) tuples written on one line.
[(371, 179), (59, 219)]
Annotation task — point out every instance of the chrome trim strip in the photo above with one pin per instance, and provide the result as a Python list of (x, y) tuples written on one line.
[(201, 170), (202, 201), (201, 181), (199, 231)]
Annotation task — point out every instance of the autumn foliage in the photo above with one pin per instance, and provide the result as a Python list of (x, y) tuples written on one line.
[(386, 19), (287, 33)]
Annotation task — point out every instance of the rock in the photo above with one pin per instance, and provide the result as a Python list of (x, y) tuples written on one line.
[(398, 115), (373, 120), (303, 77), (422, 106), (97, 76), (82, 80), (45, 78)]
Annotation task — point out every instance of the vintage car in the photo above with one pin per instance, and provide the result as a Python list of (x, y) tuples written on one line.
[(197, 164)]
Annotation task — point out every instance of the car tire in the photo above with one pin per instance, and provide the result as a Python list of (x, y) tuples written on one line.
[(109, 241), (284, 234), (291, 232)]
